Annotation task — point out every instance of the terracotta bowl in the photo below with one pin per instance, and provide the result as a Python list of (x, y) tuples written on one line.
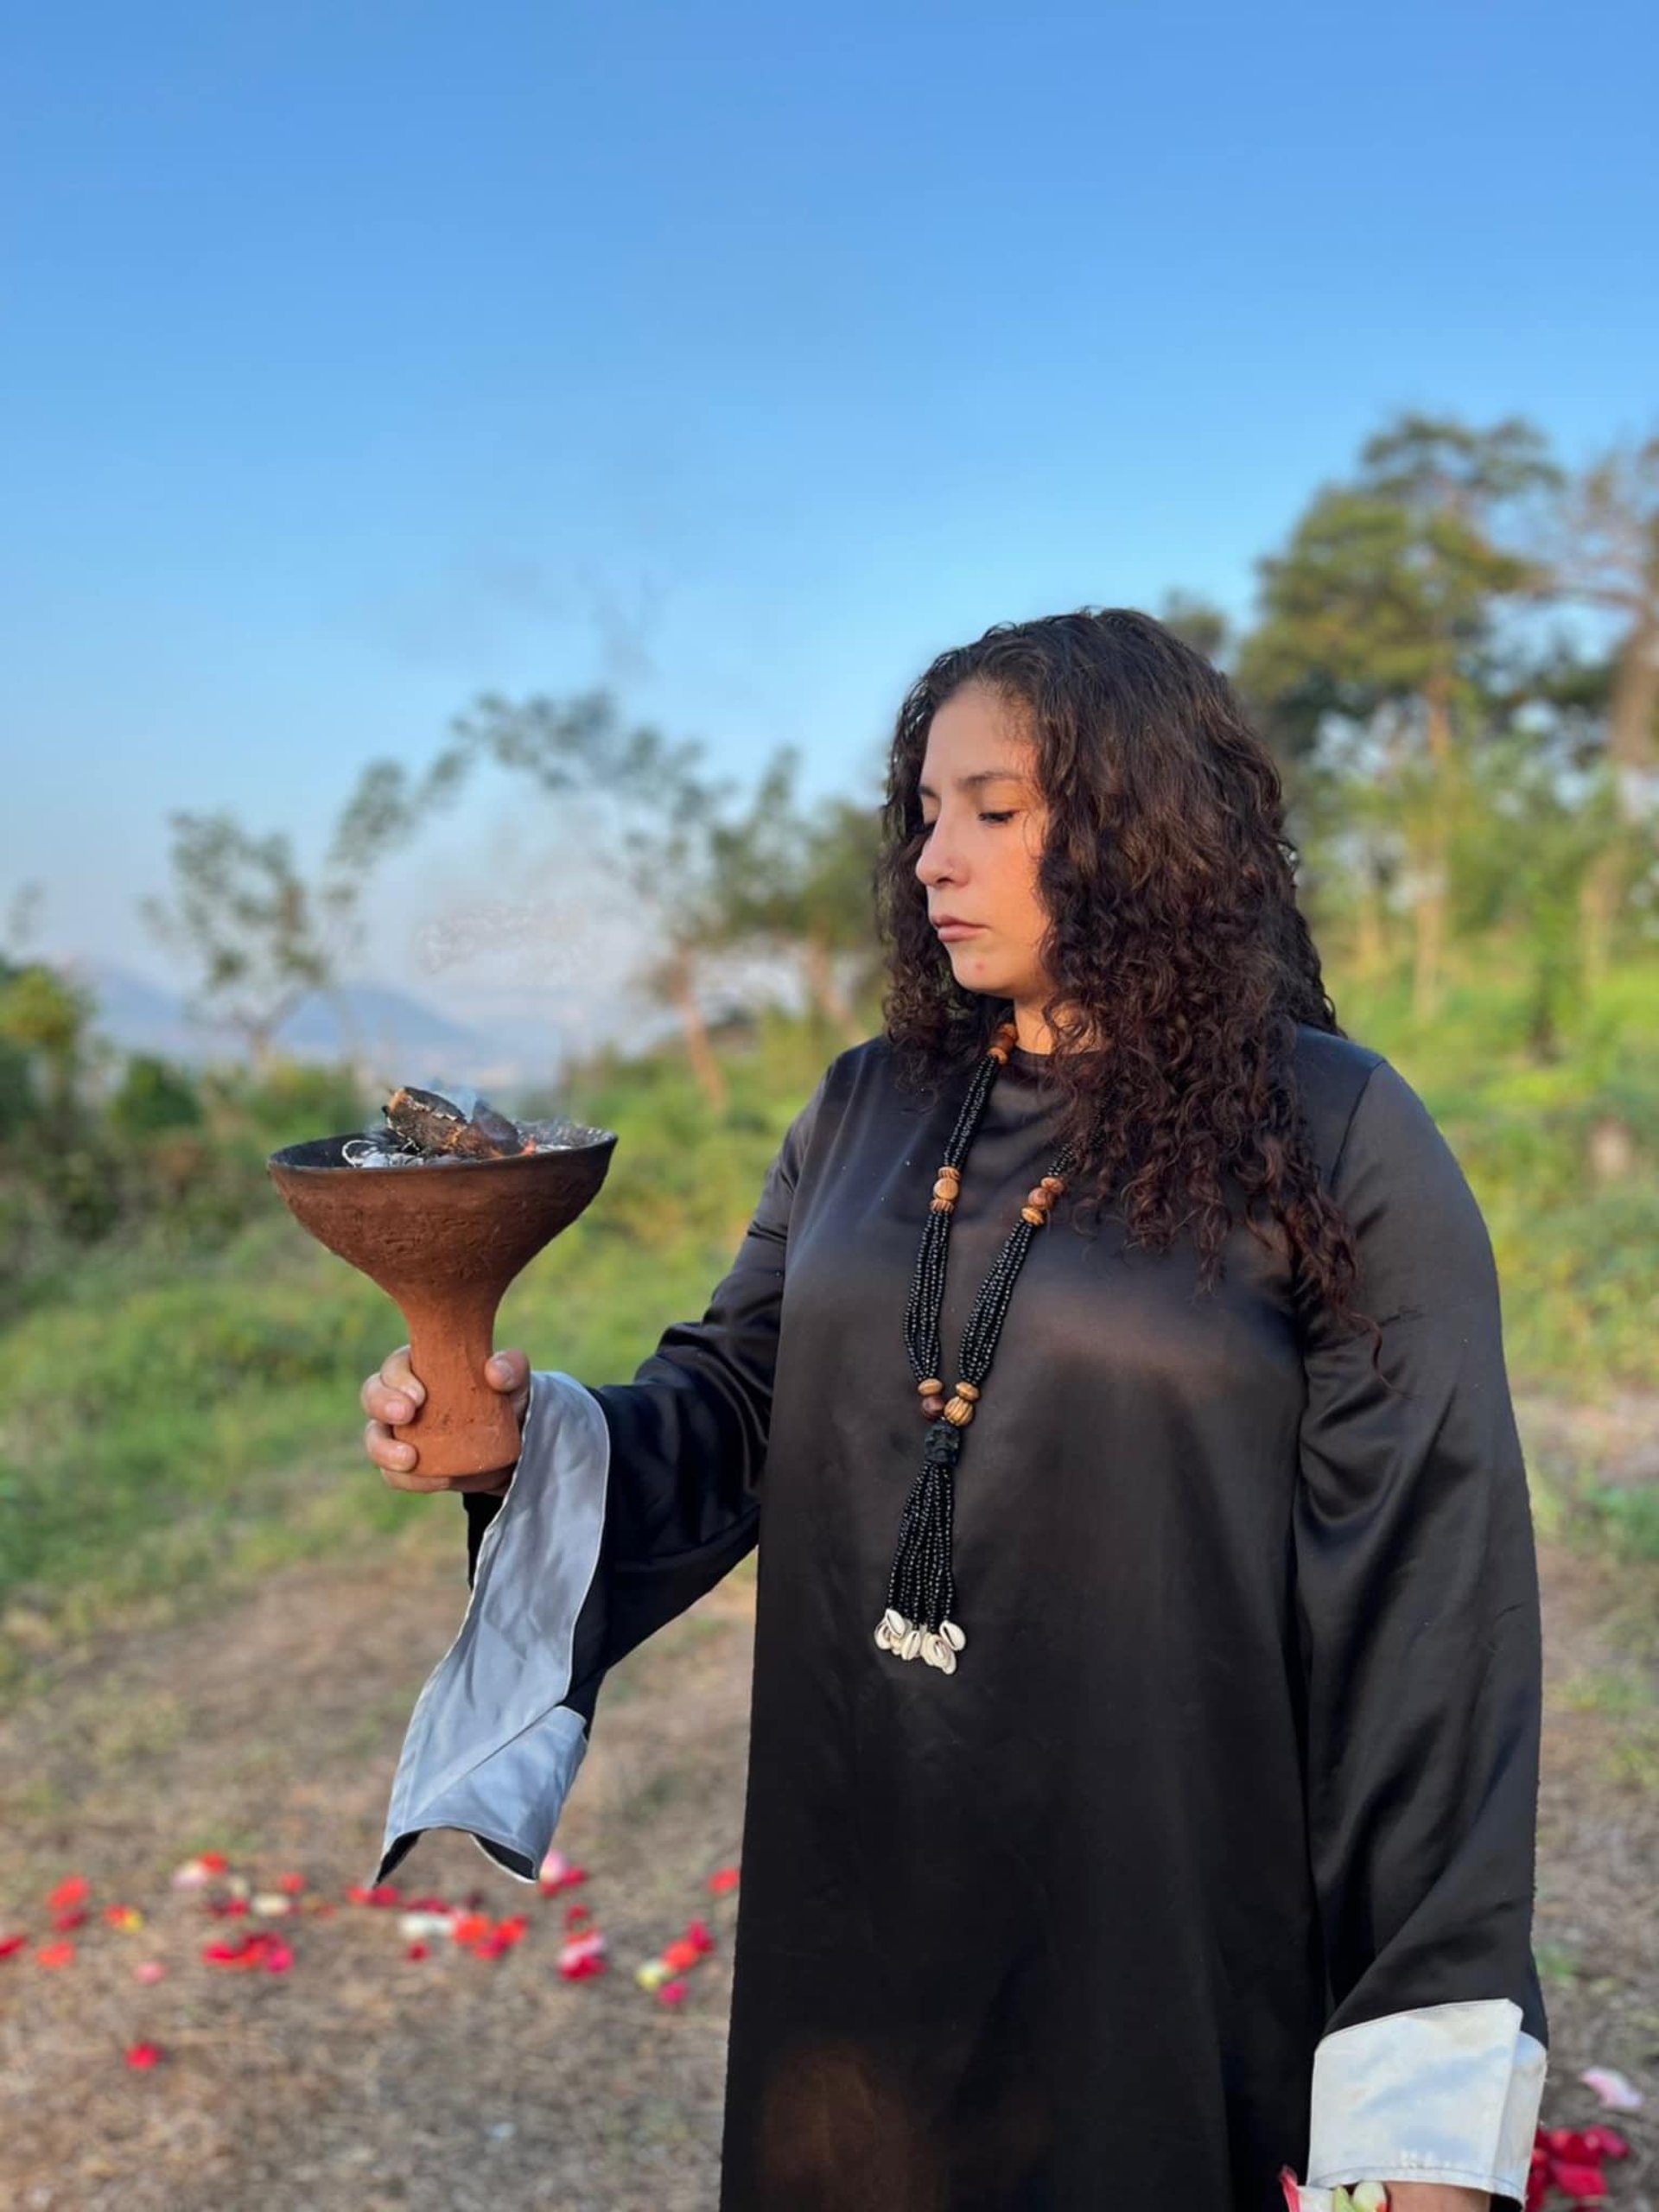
[(445, 1243)]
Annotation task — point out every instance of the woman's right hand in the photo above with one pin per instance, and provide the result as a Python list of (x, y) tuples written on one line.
[(391, 1396)]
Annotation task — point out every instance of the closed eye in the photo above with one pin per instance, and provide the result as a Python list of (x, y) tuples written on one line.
[(928, 827)]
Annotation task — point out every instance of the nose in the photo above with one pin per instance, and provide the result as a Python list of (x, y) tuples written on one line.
[(934, 863)]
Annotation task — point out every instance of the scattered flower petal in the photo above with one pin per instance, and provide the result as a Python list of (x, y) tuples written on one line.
[(1617, 2093), (143, 2055), (583, 1956), (55, 1954), (11, 1944), (291, 1885), (418, 1926), (672, 1993), (245, 1952), (148, 1970), (557, 1873), (723, 1882), (63, 1921), (126, 1918), (418, 1951), (68, 1893)]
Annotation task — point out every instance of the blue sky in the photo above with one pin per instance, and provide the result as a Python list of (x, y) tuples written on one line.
[(359, 359)]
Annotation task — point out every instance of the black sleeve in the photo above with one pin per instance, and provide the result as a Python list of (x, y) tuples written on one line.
[(1418, 1609), (688, 1433)]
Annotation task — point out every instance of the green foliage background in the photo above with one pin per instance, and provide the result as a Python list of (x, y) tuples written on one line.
[(178, 1406)]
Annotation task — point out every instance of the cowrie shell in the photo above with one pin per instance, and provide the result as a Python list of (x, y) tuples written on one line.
[(952, 1635), (883, 1635), (895, 1620), (911, 1644)]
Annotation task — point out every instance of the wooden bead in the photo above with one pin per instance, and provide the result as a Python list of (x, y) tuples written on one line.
[(945, 1188), (1053, 1185), (933, 1387), (942, 1205), (1033, 1215), (932, 1408), (1037, 1195), (1000, 1055), (969, 1390), (958, 1413)]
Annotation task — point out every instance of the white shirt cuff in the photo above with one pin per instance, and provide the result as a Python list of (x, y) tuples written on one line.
[(1446, 2093)]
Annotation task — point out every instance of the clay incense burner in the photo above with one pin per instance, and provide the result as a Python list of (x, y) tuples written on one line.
[(445, 1240)]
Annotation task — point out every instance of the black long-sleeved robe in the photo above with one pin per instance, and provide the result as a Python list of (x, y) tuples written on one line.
[(1215, 1855)]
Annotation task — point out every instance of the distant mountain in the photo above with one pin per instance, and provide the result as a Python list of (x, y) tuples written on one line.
[(399, 1039)]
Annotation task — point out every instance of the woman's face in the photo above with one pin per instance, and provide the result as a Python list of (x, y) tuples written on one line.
[(986, 824)]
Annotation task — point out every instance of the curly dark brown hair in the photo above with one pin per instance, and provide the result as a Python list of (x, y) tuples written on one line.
[(1175, 936)]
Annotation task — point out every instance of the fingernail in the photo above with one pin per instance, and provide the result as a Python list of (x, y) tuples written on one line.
[(399, 1409)]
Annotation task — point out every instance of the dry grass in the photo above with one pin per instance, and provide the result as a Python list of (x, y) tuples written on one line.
[(361, 2081)]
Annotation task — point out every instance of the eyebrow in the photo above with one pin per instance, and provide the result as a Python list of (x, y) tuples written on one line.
[(973, 783)]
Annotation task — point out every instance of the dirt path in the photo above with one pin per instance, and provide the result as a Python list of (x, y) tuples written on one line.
[(360, 2079)]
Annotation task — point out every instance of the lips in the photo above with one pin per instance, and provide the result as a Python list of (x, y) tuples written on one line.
[(947, 926)]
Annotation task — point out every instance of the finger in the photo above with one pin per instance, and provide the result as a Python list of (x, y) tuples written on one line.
[(393, 1407), (508, 1370), (392, 1457), (397, 1375)]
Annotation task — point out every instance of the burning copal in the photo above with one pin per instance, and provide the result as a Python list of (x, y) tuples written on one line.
[(443, 1209)]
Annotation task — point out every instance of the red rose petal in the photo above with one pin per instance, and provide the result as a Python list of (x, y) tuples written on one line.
[(10, 1944), (55, 1954), (1583, 2182), (69, 1892), (1606, 2142), (143, 2055)]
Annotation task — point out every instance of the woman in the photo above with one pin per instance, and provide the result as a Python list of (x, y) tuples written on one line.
[(1144, 1759)]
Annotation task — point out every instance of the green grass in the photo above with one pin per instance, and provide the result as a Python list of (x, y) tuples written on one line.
[(168, 1425)]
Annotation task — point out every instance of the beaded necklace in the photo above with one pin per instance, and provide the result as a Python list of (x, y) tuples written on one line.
[(918, 1622)]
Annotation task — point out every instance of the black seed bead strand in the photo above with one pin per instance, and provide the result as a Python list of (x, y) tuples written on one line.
[(926, 1299), (921, 1587)]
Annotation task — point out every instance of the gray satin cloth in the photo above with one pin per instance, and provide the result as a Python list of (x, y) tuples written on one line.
[(1215, 1856), (492, 1748)]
